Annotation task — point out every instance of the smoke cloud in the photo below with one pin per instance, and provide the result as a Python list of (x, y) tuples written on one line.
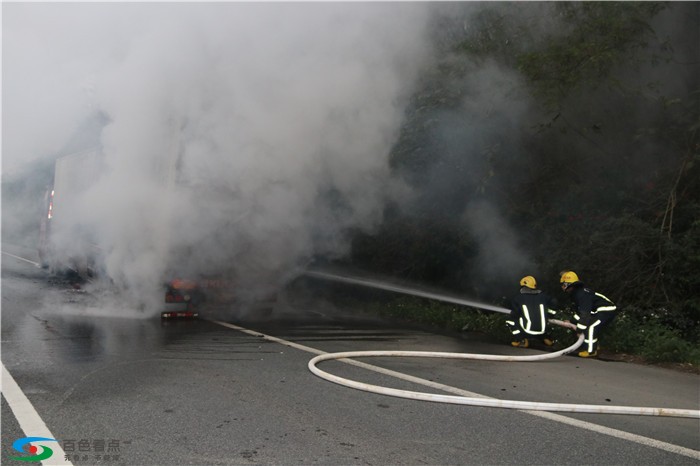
[(246, 138), (242, 138)]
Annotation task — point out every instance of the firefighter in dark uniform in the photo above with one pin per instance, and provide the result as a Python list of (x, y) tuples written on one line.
[(593, 312), (529, 311)]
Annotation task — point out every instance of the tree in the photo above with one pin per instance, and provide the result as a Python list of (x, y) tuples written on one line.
[(579, 121)]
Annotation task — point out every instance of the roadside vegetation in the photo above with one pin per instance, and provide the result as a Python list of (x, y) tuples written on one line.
[(651, 340), (648, 341), (549, 137)]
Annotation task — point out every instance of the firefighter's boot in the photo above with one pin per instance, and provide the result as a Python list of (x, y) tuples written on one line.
[(586, 354), (521, 344)]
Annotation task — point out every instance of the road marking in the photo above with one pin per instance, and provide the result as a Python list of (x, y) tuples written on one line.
[(29, 420), (32, 424), (308, 349), (620, 434), (36, 264)]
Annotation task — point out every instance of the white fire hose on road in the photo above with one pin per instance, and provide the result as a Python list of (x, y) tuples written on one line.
[(487, 402), (474, 401)]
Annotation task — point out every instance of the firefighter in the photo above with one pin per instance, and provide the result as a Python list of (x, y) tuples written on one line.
[(529, 311), (593, 312)]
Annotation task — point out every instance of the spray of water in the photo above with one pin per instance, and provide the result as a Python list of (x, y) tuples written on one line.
[(400, 289), (240, 138)]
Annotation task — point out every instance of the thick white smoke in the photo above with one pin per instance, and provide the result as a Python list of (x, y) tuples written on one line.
[(243, 137)]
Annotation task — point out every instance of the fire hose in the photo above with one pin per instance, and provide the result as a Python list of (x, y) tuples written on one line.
[(486, 402)]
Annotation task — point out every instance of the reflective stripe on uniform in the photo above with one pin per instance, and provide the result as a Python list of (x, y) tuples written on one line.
[(543, 318), (611, 307), (527, 325), (526, 314), (605, 308), (589, 340)]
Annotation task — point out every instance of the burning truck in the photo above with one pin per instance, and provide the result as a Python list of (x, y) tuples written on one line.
[(69, 246), (66, 244)]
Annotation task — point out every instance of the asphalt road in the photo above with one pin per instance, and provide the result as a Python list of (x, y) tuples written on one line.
[(116, 387)]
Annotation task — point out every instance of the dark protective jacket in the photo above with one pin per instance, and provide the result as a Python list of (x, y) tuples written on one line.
[(530, 310), (588, 304)]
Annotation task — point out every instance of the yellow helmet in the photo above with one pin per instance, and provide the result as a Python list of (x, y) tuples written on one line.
[(569, 277), (529, 282)]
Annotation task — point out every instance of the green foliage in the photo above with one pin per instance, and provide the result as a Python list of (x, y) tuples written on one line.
[(682, 259), (602, 35), (600, 175), (644, 336), (650, 338), (416, 249), (498, 32), (633, 332), (446, 316)]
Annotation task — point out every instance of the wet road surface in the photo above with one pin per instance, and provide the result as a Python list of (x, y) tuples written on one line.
[(196, 392)]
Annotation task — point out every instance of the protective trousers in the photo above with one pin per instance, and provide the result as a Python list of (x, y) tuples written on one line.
[(591, 333)]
